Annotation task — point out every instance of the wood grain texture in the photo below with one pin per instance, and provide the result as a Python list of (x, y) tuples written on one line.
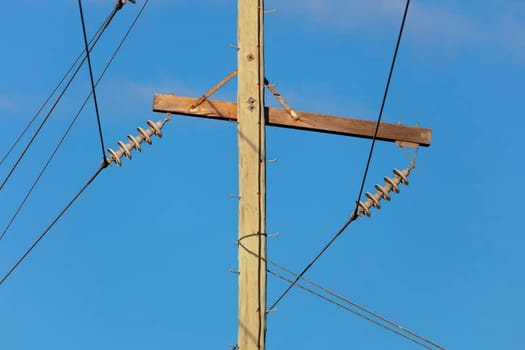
[(307, 121), (252, 176)]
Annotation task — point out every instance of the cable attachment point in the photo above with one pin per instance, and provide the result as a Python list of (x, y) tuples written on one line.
[(383, 192), (281, 100), (136, 141), (121, 3), (414, 146)]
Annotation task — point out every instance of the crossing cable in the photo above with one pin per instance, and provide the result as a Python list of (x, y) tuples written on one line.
[(354, 304), (73, 121), (117, 7), (355, 213), (93, 90), (344, 300), (46, 101), (357, 313), (55, 220), (116, 156)]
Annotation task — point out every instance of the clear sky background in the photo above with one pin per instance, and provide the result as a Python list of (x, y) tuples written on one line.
[(142, 260)]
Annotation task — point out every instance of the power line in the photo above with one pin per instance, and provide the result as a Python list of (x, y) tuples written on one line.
[(354, 304), (341, 230), (37, 180), (116, 156), (355, 213), (46, 101), (93, 90), (343, 299), (117, 7), (344, 307), (55, 220), (385, 95)]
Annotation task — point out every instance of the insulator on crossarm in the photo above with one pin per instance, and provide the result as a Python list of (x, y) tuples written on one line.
[(145, 136), (135, 142), (375, 201), (125, 149), (402, 176), (383, 192)]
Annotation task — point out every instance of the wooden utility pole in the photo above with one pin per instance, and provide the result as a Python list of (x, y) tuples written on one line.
[(252, 176), (252, 116)]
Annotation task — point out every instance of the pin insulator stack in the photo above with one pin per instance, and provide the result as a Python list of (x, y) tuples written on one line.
[(135, 141), (383, 192)]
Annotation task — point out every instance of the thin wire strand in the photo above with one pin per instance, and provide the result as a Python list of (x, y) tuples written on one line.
[(411, 159), (344, 299), (354, 214), (37, 180), (41, 108), (356, 305), (55, 220), (383, 102), (390, 329), (35, 134), (92, 80), (314, 260)]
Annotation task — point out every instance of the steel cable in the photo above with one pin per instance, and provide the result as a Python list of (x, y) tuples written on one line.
[(59, 144), (354, 304), (35, 134), (344, 307), (46, 101), (345, 300), (354, 214), (55, 220), (93, 89)]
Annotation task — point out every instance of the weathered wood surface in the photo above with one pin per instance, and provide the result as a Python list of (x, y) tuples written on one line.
[(307, 121), (252, 176)]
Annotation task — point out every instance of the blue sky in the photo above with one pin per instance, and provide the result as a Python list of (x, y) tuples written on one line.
[(142, 260)]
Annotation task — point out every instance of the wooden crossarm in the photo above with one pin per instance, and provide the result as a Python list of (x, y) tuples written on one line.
[(307, 121)]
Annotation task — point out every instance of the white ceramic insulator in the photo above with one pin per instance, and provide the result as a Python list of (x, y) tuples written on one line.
[(135, 142), (383, 192)]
